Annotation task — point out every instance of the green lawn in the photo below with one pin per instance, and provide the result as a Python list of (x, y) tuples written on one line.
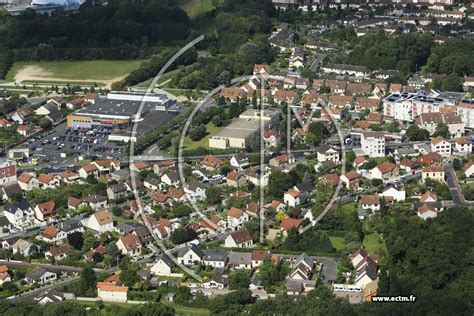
[(195, 8), (204, 142), (337, 242), (180, 310), (374, 244), (90, 70)]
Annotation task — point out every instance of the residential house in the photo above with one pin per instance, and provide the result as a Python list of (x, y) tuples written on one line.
[(117, 191), (22, 246), (236, 218), (195, 191), (386, 171), (463, 146), (327, 153), (40, 276), (52, 234), (469, 168), (289, 223), (96, 201), (430, 159), (163, 166), (216, 258), (258, 256), (302, 267), (271, 139), (211, 163), (19, 214), (240, 161), (107, 166), (434, 173), (239, 239), (89, 170), (441, 146), (57, 253), (240, 260), (49, 296), (397, 193), (292, 198), (68, 177), (190, 255), (282, 160), (170, 178), (47, 181), (351, 179), (429, 196), (235, 179), (28, 182), (129, 245), (44, 211), (163, 266), (100, 221), (219, 280), (409, 165), (111, 292), (74, 203), (370, 202), (427, 210)]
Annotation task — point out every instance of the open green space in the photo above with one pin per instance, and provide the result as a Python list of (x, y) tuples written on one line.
[(195, 8), (180, 310), (374, 244), (337, 242), (74, 71), (203, 142)]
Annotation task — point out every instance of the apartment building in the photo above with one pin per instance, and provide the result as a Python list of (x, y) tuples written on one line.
[(373, 144)]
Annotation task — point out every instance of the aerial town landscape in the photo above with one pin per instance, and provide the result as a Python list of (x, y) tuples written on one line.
[(224, 157)]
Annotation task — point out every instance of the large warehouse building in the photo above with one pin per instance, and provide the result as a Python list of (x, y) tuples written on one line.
[(120, 110), (244, 131)]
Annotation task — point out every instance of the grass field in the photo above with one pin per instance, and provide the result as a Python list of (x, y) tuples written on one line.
[(195, 8), (90, 71), (374, 244), (204, 142), (180, 310), (337, 242)]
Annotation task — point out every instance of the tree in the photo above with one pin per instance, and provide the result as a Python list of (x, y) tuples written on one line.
[(278, 182), (45, 124), (129, 277), (87, 282), (239, 279), (75, 239), (442, 130), (272, 274), (417, 134), (213, 195), (117, 210)]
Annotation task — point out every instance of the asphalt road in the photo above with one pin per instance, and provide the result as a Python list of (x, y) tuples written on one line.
[(454, 187)]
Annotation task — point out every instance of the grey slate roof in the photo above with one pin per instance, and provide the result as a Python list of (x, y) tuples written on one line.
[(196, 249), (217, 254), (70, 224), (236, 258), (13, 207)]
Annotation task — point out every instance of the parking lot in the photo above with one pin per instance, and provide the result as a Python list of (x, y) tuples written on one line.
[(62, 146)]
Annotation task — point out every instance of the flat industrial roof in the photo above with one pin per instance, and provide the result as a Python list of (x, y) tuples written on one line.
[(239, 128), (124, 107)]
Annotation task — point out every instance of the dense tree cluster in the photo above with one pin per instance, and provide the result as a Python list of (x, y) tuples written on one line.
[(310, 241), (406, 52), (73, 308), (121, 29)]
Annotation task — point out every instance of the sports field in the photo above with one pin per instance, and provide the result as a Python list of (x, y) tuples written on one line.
[(74, 72)]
